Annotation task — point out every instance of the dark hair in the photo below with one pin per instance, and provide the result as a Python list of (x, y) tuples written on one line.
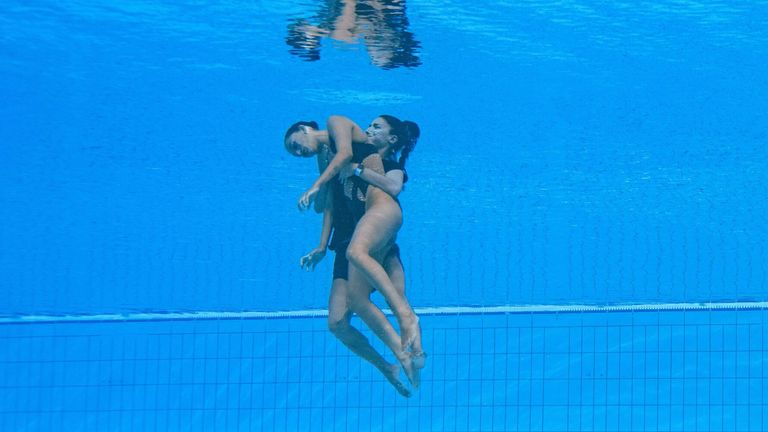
[(296, 126), (407, 133)]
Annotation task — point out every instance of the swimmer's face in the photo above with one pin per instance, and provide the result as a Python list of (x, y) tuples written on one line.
[(379, 134), (301, 144)]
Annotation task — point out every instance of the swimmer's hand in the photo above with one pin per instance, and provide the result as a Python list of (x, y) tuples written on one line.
[(310, 260), (347, 171), (307, 197)]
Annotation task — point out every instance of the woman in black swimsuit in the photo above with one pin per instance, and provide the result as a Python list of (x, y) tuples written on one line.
[(377, 209)]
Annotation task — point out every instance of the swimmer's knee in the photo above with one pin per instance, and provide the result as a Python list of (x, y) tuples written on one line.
[(337, 325), (355, 254)]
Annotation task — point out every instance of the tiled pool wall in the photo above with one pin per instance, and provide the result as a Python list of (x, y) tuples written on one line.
[(693, 370)]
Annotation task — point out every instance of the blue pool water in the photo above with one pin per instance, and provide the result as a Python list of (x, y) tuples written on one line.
[(572, 154)]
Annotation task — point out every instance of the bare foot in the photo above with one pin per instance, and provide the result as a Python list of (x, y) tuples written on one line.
[(412, 372), (419, 360), (392, 374), (409, 330)]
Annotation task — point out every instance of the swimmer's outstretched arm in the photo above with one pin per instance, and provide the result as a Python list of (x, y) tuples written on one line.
[(310, 260)]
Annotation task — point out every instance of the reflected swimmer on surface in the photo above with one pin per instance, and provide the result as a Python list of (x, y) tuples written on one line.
[(381, 25)]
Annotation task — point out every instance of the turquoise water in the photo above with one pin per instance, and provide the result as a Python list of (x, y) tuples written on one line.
[(572, 153)]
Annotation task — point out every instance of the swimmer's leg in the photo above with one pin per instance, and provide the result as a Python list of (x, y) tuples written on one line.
[(374, 233), (394, 267), (339, 316)]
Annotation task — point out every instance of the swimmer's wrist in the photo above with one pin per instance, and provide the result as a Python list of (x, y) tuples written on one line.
[(359, 170)]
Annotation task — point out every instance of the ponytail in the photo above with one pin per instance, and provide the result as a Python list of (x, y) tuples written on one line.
[(407, 133), (411, 136)]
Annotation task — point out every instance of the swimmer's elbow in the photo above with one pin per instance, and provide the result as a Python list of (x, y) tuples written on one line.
[(336, 118), (344, 157), (394, 189), (338, 121)]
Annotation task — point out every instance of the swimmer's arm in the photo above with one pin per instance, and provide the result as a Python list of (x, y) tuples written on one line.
[(342, 131), (325, 234), (322, 164), (391, 183), (310, 260)]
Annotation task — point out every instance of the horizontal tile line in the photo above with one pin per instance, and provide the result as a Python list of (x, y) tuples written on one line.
[(426, 311)]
